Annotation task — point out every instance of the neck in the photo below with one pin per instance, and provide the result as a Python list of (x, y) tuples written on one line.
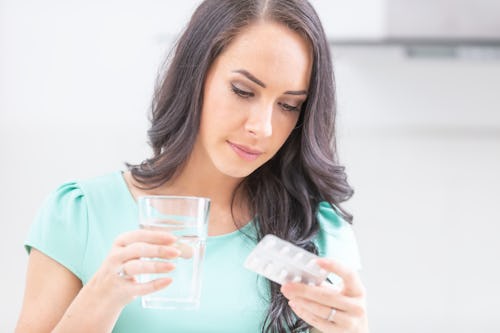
[(202, 182), (200, 178)]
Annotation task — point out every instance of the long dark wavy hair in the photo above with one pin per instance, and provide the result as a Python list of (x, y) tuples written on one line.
[(284, 192)]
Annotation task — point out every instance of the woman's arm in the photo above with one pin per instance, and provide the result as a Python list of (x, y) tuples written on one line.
[(55, 300), (50, 288)]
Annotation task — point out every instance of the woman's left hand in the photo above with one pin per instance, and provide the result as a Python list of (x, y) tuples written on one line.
[(329, 308)]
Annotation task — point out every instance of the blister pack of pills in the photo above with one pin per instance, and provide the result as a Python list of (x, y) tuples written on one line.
[(281, 261)]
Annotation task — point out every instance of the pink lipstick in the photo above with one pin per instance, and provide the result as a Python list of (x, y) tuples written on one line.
[(246, 153)]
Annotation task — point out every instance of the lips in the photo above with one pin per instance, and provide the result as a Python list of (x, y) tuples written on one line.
[(245, 152)]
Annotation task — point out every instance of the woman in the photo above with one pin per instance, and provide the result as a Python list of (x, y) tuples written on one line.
[(245, 116)]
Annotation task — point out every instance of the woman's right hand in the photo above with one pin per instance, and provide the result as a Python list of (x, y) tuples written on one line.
[(55, 300), (115, 278)]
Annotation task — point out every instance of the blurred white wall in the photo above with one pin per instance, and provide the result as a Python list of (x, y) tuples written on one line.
[(421, 141), (420, 138)]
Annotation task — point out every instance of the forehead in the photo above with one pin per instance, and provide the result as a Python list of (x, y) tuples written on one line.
[(272, 52)]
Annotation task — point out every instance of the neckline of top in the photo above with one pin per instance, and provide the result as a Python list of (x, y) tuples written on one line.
[(133, 202)]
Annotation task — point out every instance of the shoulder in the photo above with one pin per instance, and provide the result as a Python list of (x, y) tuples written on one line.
[(67, 199), (99, 193), (69, 202), (336, 238), (69, 205), (61, 227), (102, 185), (77, 193)]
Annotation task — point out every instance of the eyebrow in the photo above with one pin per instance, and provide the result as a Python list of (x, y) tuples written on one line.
[(252, 78)]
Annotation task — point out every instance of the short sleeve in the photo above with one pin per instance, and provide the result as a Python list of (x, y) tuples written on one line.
[(336, 239), (61, 227)]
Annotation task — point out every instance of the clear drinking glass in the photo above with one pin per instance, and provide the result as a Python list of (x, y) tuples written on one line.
[(187, 219)]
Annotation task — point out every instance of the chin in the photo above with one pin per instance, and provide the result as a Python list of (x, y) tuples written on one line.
[(234, 167), (236, 172)]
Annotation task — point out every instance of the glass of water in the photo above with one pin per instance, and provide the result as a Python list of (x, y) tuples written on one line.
[(187, 219)]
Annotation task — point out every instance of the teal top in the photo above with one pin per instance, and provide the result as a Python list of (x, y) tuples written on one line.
[(79, 221)]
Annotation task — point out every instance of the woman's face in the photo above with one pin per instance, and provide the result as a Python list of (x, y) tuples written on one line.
[(252, 98)]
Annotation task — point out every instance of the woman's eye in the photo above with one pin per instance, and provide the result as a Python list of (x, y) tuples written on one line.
[(288, 107), (241, 93)]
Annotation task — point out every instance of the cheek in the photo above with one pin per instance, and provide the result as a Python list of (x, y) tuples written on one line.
[(219, 104), (283, 125), (219, 115), (219, 118)]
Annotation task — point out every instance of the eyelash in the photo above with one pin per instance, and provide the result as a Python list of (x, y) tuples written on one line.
[(245, 94), (241, 93), (288, 107)]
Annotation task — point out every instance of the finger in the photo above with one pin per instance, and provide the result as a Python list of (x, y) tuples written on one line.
[(330, 297), (136, 267), (350, 277), (186, 250), (315, 320), (341, 318), (146, 236), (145, 250), (141, 289)]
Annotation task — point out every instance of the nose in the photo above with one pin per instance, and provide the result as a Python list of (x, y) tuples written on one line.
[(259, 121)]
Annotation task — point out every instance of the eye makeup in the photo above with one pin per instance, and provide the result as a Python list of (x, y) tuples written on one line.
[(241, 92), (288, 107), (247, 94)]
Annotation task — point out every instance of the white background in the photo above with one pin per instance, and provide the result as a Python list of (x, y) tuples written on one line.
[(420, 139)]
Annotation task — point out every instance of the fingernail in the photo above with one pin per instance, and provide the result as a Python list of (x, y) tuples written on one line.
[(164, 281), (176, 251), (171, 238)]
